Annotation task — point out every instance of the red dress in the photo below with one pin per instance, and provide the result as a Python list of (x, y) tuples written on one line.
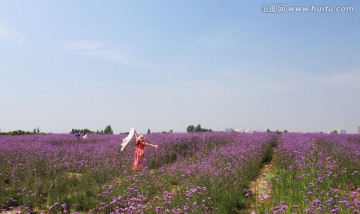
[(139, 154)]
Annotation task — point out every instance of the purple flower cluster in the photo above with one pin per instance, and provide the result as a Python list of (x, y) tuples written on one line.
[(320, 171)]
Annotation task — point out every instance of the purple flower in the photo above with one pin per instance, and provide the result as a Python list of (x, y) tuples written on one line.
[(283, 208)]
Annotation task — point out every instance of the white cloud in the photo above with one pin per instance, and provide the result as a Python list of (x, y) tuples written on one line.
[(7, 34), (97, 49)]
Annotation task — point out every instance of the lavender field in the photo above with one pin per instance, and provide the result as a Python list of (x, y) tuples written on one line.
[(189, 173)]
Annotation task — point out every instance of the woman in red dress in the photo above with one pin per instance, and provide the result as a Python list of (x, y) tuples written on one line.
[(139, 152)]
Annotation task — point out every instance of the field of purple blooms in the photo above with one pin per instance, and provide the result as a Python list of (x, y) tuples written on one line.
[(189, 173), (316, 173)]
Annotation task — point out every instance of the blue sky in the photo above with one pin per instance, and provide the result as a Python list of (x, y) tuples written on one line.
[(164, 65)]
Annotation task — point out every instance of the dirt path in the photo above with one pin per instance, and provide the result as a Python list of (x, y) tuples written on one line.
[(261, 188)]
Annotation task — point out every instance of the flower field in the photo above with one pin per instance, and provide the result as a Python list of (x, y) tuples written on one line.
[(189, 173), (317, 173)]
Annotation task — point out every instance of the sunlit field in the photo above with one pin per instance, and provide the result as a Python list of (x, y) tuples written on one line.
[(317, 173), (189, 173)]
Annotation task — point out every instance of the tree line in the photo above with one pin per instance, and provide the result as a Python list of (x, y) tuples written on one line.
[(198, 128), (107, 130), (22, 132)]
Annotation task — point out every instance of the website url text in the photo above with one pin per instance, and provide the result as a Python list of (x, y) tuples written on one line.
[(281, 8)]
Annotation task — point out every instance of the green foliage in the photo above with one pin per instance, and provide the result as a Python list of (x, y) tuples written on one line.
[(108, 130), (190, 128), (164, 132), (22, 132), (198, 128), (73, 131), (277, 131)]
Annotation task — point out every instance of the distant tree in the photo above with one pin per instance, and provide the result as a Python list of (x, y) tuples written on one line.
[(190, 128), (38, 130), (285, 130), (198, 128), (334, 132), (86, 131), (268, 130), (34, 132), (108, 130), (148, 131)]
